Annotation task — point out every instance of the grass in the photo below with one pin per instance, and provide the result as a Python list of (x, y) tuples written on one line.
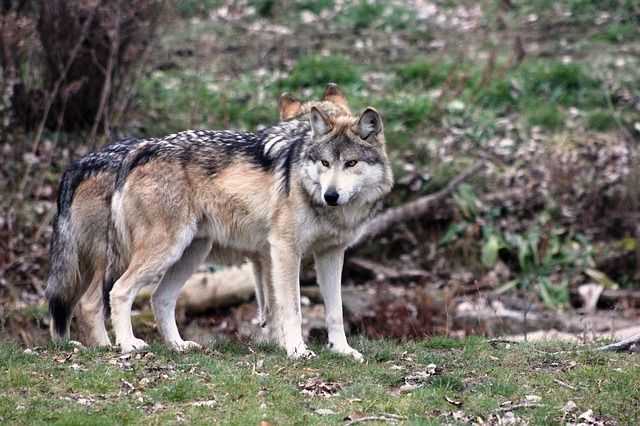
[(364, 14), (317, 71), (618, 32), (235, 384), (601, 120), (181, 99)]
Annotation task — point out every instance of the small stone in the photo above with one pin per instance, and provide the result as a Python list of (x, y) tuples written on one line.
[(569, 407)]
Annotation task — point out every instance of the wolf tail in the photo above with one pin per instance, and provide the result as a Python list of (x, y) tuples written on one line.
[(64, 274)]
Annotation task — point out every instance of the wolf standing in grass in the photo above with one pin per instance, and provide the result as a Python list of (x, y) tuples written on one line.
[(78, 252), (305, 186)]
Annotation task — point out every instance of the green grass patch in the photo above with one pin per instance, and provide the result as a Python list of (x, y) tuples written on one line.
[(423, 72), (178, 100), (316, 71), (537, 88), (567, 84), (618, 32), (364, 14), (545, 115), (601, 120), (234, 385), (408, 112)]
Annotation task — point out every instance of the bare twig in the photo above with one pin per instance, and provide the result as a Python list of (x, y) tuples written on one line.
[(129, 90), (518, 406), (494, 342), (54, 93), (564, 385), (390, 418), (102, 114), (416, 208), (622, 345)]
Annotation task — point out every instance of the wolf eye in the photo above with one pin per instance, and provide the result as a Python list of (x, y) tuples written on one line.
[(325, 163), (350, 163)]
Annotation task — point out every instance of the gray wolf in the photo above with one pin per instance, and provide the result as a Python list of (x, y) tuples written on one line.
[(78, 250), (307, 185)]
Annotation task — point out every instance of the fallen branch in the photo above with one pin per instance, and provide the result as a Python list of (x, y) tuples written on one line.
[(508, 408), (383, 271), (622, 345), (389, 418), (232, 286), (495, 342), (415, 208), (564, 385)]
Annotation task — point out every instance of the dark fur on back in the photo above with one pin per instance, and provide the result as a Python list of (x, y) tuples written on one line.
[(274, 148)]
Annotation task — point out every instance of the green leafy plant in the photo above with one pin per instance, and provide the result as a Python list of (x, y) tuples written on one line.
[(544, 258)]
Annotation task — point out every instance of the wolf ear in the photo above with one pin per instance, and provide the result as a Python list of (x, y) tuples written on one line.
[(289, 107), (334, 95), (369, 123), (320, 122)]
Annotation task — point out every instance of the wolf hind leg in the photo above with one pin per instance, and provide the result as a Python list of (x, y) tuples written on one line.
[(90, 312), (257, 275), (156, 254), (264, 297), (164, 298)]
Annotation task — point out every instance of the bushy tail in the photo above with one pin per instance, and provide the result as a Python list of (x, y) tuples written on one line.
[(64, 272)]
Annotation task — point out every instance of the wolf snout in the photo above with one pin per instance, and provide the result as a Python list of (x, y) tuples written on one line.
[(331, 197)]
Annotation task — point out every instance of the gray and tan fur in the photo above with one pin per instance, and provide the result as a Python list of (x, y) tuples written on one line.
[(77, 256), (303, 186)]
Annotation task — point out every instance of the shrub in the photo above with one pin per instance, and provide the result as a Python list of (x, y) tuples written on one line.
[(317, 71), (77, 52), (601, 120)]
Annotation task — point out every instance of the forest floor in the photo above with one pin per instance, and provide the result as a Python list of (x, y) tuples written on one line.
[(434, 381)]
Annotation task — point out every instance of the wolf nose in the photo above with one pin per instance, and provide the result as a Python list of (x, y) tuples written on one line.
[(331, 197)]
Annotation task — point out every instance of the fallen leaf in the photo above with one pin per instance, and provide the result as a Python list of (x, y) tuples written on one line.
[(315, 386), (210, 403), (325, 412), (453, 401), (569, 407)]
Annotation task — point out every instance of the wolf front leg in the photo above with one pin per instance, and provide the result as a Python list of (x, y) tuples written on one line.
[(329, 274), (285, 270)]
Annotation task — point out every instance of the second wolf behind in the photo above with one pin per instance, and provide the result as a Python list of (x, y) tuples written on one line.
[(298, 187)]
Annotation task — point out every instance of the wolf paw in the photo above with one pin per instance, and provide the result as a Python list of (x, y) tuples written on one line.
[(185, 346), (301, 352), (347, 350), (133, 345)]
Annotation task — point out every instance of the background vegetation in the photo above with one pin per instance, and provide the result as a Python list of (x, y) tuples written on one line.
[(545, 93)]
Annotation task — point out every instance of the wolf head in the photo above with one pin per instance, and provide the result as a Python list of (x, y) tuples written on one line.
[(333, 103), (345, 161)]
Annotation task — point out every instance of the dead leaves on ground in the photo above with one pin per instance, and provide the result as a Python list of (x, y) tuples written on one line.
[(318, 387)]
